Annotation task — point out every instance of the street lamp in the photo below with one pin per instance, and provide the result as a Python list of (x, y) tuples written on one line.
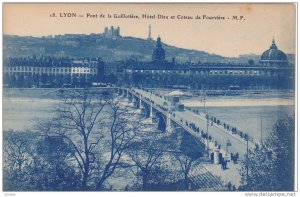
[(204, 99), (227, 146), (207, 125), (247, 155), (261, 137)]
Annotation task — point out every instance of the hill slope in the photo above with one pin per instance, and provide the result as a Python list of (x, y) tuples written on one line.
[(96, 45)]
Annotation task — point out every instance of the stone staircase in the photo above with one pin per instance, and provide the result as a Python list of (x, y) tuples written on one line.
[(203, 180)]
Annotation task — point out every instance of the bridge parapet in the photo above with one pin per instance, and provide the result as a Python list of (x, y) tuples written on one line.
[(155, 102)]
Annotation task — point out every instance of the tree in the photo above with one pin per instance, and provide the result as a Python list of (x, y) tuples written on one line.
[(122, 127), (17, 156), (54, 172), (35, 163), (271, 167), (146, 155), (97, 129), (187, 152), (251, 62)]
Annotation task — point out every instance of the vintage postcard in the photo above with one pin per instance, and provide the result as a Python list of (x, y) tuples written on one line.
[(149, 97)]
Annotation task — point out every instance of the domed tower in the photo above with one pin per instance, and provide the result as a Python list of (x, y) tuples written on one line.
[(273, 56), (158, 52)]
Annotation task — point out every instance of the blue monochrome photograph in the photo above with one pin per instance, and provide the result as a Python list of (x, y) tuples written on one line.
[(138, 97)]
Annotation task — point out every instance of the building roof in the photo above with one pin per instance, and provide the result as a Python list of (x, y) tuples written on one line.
[(273, 55), (175, 93)]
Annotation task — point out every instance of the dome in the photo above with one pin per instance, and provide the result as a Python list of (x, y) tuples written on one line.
[(158, 52), (273, 55)]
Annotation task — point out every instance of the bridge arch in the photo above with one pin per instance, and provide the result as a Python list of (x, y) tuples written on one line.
[(162, 120), (146, 108)]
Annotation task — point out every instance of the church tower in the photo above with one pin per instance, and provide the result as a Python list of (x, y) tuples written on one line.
[(158, 52), (149, 33)]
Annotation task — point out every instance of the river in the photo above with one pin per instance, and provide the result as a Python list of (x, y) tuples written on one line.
[(22, 108)]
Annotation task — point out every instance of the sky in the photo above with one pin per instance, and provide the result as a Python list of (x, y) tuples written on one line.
[(252, 34)]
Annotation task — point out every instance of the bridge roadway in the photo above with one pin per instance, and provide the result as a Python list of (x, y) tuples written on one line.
[(217, 132)]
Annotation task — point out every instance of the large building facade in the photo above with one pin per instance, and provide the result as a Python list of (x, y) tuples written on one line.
[(272, 71), (51, 72)]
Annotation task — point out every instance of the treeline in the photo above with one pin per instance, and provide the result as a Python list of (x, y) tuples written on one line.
[(33, 162), (271, 166)]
